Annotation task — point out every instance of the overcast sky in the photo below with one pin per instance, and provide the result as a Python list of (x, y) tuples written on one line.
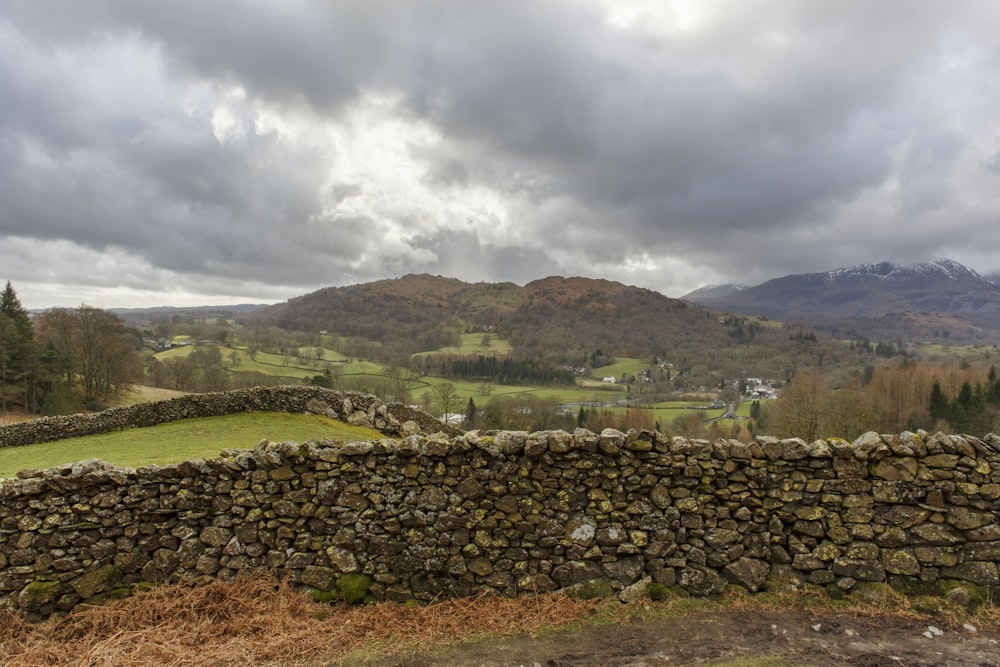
[(191, 152)]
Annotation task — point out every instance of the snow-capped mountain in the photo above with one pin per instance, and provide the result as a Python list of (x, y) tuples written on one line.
[(938, 269), (941, 286)]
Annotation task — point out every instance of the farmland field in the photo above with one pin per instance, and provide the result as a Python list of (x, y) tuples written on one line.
[(182, 440), (472, 343), (621, 366)]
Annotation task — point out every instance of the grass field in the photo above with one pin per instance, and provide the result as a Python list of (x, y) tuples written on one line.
[(181, 440), (472, 343), (621, 366)]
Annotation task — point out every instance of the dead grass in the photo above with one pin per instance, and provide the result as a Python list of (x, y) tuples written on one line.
[(258, 621), (12, 416)]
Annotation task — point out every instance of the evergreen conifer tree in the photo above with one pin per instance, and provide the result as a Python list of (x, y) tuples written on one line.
[(16, 350)]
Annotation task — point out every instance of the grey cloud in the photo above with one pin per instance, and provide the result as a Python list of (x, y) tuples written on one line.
[(780, 123), (461, 252)]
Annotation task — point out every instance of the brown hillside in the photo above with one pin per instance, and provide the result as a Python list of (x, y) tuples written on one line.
[(556, 319)]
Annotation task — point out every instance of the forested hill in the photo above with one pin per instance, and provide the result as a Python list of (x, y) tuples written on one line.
[(566, 314), (564, 320)]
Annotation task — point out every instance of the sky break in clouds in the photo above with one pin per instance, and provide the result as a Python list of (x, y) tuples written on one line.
[(193, 153)]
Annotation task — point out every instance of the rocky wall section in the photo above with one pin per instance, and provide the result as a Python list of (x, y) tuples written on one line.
[(427, 516), (360, 409)]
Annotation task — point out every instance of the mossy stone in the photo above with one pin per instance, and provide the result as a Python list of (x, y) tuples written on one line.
[(96, 581), (110, 596), (323, 597), (657, 592), (354, 587), (38, 593), (589, 590), (869, 591)]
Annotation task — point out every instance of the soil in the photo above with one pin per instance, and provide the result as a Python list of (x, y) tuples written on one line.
[(13, 416), (791, 638)]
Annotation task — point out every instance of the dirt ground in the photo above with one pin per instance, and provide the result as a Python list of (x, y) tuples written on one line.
[(825, 640), (12, 416)]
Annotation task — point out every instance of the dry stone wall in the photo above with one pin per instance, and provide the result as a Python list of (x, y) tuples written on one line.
[(357, 408), (425, 516)]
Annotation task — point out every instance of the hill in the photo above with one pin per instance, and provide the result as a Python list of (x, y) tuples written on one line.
[(571, 321), (940, 300)]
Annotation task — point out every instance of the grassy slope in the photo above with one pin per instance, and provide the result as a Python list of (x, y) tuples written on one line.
[(181, 441), (621, 365), (471, 343)]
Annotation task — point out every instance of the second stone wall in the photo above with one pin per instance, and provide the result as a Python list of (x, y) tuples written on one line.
[(357, 408)]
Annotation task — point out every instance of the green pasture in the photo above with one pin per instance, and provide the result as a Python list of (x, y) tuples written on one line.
[(309, 352), (472, 343), (363, 368), (666, 411), (264, 362), (269, 364), (182, 351), (183, 440), (471, 389), (622, 365)]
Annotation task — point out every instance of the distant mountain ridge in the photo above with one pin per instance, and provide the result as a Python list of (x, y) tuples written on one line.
[(866, 292)]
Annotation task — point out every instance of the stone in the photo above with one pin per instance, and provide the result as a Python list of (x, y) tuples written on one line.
[(320, 578), (869, 446), (660, 496), (750, 573), (342, 560), (906, 516), (574, 572), (896, 468), (937, 534), (354, 501), (610, 536), (624, 570), (611, 441), (948, 461), (967, 518), (636, 591), (480, 566), (978, 572), (470, 489), (581, 531), (702, 581), (96, 581), (216, 536), (937, 556), (900, 561), (38, 594)]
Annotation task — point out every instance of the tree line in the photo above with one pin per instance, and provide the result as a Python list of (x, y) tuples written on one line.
[(906, 396), (63, 359), (501, 370)]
